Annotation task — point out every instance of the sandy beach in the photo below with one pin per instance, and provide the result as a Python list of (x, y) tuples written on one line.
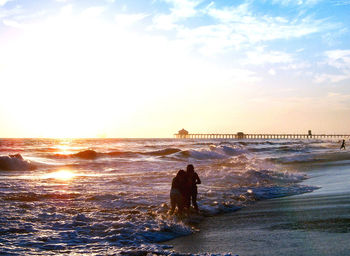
[(316, 223)]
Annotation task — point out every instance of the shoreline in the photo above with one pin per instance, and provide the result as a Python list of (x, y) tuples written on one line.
[(316, 223)]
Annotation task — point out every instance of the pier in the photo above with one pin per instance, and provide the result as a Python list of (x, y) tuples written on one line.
[(183, 134)]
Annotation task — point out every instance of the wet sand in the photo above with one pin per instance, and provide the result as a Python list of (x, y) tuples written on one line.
[(316, 223)]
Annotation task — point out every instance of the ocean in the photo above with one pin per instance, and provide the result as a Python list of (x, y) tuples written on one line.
[(111, 196)]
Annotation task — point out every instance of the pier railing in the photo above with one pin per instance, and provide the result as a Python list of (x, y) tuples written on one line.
[(260, 136)]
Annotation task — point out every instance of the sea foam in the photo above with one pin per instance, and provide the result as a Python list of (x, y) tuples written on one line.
[(118, 201), (15, 162)]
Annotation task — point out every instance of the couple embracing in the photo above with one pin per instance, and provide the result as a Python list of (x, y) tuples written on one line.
[(184, 190)]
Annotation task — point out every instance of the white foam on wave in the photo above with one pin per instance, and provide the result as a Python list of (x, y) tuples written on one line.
[(15, 162), (213, 152), (123, 204)]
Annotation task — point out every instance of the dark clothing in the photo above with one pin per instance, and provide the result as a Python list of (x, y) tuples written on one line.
[(193, 180), (178, 194), (179, 184), (176, 183), (342, 145), (193, 199), (184, 190)]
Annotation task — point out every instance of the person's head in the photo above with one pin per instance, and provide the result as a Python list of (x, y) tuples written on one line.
[(190, 168), (181, 174)]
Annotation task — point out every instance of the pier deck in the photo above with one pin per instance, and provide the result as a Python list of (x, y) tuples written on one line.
[(260, 136)]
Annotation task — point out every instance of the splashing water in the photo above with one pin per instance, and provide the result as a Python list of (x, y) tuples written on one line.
[(112, 195)]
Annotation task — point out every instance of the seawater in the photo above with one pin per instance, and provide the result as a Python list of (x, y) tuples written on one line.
[(115, 199)]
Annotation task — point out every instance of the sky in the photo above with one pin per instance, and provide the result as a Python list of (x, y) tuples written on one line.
[(139, 69)]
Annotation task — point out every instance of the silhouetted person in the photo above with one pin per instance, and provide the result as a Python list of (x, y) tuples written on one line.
[(342, 145), (178, 192), (193, 180)]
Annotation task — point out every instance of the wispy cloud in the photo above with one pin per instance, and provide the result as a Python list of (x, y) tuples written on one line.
[(3, 2), (260, 57), (92, 12), (13, 24), (235, 27), (341, 2), (300, 65), (321, 78), (9, 13), (125, 20), (333, 38), (179, 10), (257, 28), (296, 2), (340, 61), (248, 35)]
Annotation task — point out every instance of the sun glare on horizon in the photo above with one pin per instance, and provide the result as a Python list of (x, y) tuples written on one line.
[(60, 175)]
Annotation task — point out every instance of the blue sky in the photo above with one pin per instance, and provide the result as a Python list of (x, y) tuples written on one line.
[(208, 66)]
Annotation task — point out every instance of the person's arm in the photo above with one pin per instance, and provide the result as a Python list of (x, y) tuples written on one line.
[(174, 184), (198, 181)]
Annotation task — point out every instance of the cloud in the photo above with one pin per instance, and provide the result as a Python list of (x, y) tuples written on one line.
[(273, 57), (234, 34), (72, 53), (297, 2), (6, 13), (341, 2), (254, 28), (297, 65), (183, 8), (4, 2), (340, 61), (93, 12), (334, 38), (231, 14), (179, 10), (13, 24), (234, 27), (320, 78), (242, 76), (129, 19)]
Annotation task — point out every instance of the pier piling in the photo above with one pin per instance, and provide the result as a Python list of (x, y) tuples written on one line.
[(183, 134)]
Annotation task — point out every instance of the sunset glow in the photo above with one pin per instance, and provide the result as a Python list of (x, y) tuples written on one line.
[(174, 127), (60, 175), (126, 69)]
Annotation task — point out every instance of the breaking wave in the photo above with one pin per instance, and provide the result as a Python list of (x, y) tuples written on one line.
[(119, 198), (92, 154), (214, 152), (163, 152), (15, 163)]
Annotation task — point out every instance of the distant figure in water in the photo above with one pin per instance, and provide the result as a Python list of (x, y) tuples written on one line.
[(178, 192), (193, 180), (342, 145)]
